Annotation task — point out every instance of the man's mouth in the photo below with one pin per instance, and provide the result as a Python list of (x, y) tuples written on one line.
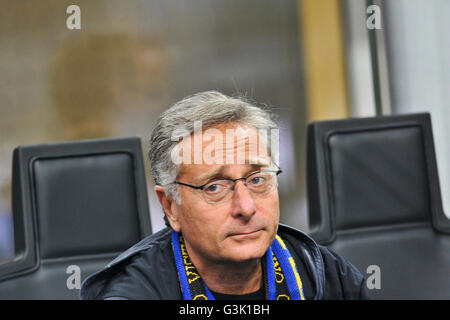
[(246, 234)]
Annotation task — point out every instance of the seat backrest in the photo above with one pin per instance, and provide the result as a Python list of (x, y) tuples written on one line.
[(76, 206), (374, 197)]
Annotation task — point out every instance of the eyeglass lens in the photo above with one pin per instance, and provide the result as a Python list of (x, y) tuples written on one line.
[(259, 184)]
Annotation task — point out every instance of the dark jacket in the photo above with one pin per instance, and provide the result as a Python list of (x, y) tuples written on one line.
[(147, 271)]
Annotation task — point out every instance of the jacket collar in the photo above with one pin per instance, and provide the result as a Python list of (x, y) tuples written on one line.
[(305, 245), (311, 255)]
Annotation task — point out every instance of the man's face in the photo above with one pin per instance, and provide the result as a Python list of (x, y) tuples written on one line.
[(239, 229)]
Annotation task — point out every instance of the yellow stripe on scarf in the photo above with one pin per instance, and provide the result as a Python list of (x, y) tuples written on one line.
[(294, 268)]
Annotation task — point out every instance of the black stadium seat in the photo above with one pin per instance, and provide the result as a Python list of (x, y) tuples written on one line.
[(374, 198), (76, 206)]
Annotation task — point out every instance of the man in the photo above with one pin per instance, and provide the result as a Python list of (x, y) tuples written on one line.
[(215, 164)]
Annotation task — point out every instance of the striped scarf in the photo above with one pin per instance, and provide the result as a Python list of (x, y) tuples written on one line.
[(281, 278)]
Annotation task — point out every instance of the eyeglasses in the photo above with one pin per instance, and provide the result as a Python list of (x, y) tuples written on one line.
[(259, 184)]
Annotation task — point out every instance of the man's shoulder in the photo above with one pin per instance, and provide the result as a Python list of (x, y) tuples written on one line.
[(308, 256), (144, 271), (150, 243), (332, 275), (343, 279)]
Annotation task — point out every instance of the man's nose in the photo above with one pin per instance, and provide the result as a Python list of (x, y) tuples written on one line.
[(243, 203)]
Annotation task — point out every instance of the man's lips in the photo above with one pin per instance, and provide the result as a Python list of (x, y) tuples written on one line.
[(246, 234)]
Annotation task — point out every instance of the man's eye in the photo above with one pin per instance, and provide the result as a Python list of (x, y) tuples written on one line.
[(257, 180), (213, 188)]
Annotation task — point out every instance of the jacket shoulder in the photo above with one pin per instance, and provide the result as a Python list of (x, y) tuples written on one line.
[(144, 271), (343, 279), (333, 276)]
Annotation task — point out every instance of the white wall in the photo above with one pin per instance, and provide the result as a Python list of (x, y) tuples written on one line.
[(418, 49)]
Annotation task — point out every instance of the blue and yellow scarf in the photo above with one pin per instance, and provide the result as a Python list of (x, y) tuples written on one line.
[(281, 278)]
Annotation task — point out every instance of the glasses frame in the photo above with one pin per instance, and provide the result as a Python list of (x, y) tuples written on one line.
[(244, 179)]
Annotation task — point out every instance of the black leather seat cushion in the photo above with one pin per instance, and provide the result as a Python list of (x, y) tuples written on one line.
[(379, 177), (101, 190)]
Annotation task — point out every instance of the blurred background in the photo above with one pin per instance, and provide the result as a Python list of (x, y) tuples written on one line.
[(309, 60)]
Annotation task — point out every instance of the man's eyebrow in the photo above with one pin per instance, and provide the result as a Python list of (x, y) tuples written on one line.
[(218, 173), (214, 174)]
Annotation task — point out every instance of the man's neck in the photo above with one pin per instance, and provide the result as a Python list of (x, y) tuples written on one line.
[(231, 277)]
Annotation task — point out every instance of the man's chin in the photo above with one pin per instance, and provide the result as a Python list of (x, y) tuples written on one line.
[(244, 252)]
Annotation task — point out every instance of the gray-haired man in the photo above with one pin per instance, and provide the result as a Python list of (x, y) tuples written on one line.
[(214, 160)]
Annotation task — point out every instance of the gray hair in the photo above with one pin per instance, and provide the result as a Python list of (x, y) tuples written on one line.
[(209, 107)]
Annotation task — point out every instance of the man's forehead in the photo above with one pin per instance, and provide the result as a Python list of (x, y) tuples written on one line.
[(229, 143), (251, 162), (199, 172), (223, 149)]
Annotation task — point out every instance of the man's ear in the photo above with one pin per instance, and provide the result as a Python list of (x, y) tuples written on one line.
[(169, 206)]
